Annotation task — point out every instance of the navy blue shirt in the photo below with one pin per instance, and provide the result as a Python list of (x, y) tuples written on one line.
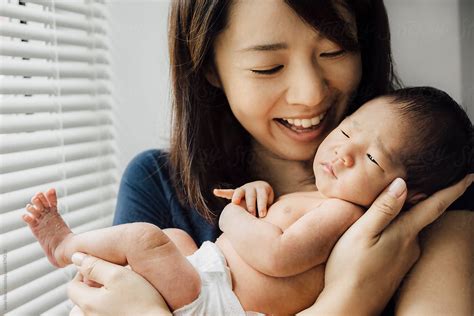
[(146, 194)]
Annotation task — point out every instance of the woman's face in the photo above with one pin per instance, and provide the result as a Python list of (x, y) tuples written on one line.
[(286, 84)]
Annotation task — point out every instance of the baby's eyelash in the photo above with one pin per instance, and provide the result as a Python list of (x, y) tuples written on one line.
[(372, 159), (345, 134)]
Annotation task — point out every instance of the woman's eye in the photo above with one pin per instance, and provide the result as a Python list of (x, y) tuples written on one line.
[(333, 54), (268, 71), (372, 159), (345, 134)]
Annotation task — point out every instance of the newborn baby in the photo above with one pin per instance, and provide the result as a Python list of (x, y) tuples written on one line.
[(275, 264)]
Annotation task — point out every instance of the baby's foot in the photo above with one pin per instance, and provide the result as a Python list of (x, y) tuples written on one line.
[(48, 227)]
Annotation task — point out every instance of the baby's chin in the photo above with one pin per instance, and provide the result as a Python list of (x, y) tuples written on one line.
[(332, 193)]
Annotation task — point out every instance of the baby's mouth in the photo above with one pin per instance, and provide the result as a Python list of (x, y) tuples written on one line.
[(328, 168)]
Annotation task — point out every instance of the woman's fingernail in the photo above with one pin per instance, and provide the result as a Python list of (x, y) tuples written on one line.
[(397, 188), (77, 258)]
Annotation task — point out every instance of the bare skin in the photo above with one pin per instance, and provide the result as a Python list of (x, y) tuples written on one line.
[(143, 246)]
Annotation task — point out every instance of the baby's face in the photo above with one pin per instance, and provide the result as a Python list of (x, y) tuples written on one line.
[(359, 158)]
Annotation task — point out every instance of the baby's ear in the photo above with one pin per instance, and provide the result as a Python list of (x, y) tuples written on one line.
[(414, 198)]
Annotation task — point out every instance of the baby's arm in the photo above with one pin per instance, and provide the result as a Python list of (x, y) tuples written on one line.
[(305, 244)]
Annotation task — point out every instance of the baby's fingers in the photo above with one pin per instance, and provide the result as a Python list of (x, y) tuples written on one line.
[(262, 202), (224, 193), (250, 199), (238, 195)]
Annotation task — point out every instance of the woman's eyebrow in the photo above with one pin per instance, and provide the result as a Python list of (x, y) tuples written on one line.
[(265, 47)]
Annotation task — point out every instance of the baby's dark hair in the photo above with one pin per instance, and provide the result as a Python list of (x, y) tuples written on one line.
[(440, 149)]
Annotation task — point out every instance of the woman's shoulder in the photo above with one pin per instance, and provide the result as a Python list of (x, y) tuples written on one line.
[(149, 163)]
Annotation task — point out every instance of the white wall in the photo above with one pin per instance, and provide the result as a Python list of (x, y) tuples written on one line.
[(426, 45), (141, 70), (426, 42)]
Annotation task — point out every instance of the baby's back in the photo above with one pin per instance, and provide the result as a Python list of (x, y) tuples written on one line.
[(290, 294)]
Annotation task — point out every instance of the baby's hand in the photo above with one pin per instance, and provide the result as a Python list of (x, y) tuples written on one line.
[(258, 195)]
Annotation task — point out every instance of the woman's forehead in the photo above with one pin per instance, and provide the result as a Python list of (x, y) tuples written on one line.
[(255, 20)]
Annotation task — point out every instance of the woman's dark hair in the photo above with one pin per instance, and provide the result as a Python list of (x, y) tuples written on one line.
[(440, 147), (209, 147)]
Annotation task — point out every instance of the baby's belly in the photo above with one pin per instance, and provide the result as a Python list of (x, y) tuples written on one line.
[(271, 295)]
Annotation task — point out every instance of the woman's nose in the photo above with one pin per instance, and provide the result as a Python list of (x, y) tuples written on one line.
[(307, 86)]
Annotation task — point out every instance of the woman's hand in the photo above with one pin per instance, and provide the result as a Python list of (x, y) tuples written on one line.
[(257, 195), (369, 261), (124, 292)]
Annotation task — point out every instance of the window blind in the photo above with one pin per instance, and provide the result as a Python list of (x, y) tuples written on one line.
[(56, 130)]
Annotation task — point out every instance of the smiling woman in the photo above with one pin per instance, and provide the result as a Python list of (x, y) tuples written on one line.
[(230, 104)]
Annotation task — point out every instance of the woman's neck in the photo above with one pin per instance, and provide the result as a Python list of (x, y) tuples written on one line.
[(285, 176)]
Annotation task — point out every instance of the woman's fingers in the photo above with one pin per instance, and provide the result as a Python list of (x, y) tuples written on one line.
[(80, 293), (384, 209), (95, 269), (427, 211)]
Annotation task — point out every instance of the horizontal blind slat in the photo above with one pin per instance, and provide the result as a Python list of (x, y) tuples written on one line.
[(43, 302), (61, 37), (42, 139), (18, 180), (36, 68), (28, 292), (25, 274), (47, 103), (18, 199), (12, 220), (92, 9), (51, 86), (62, 309), (50, 52), (43, 157), (20, 123), (42, 16)]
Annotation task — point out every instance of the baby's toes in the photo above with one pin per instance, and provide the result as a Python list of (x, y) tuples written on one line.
[(38, 204), (43, 200), (34, 212), (52, 198), (29, 219)]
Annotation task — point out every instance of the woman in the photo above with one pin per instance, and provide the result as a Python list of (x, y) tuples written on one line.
[(240, 70)]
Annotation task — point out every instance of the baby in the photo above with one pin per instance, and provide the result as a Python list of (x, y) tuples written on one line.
[(275, 264)]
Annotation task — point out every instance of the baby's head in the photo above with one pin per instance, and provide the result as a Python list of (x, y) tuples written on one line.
[(419, 134)]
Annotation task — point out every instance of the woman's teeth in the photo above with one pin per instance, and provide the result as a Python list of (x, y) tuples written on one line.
[(305, 123)]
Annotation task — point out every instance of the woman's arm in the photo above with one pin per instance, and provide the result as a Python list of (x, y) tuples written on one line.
[(441, 282)]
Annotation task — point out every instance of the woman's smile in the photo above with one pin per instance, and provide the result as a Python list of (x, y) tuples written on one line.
[(304, 130)]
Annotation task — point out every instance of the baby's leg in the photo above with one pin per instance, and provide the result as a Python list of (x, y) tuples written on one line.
[(182, 240), (144, 246)]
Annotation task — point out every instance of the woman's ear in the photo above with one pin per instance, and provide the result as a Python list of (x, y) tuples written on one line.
[(414, 198), (212, 76)]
